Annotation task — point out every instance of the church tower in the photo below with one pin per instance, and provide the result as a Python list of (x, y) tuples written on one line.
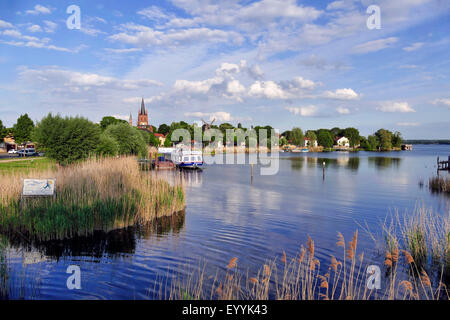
[(130, 121), (143, 118)]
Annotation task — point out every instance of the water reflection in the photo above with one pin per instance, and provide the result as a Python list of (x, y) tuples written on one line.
[(382, 163), (351, 163), (100, 243)]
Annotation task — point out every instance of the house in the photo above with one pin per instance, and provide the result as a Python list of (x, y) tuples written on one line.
[(342, 142), (161, 138), (307, 142)]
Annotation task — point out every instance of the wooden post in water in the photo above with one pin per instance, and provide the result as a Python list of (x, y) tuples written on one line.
[(251, 172), (323, 168), (156, 160)]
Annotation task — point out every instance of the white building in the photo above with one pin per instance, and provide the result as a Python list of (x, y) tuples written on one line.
[(342, 142), (307, 143)]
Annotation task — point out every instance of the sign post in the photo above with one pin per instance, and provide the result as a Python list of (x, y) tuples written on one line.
[(37, 188)]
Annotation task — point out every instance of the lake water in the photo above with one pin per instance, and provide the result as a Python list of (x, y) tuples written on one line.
[(227, 215)]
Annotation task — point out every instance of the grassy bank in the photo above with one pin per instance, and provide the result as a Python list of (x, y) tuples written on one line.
[(416, 267), (17, 164), (102, 194)]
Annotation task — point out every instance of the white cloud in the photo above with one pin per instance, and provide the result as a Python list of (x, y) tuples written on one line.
[(143, 36), (307, 111), (220, 116), (445, 102), (39, 9), (414, 47), (34, 28), (375, 45), (50, 26), (121, 116), (59, 80), (155, 13), (408, 124), (128, 50), (4, 24), (342, 110), (390, 106), (342, 94), (267, 89)]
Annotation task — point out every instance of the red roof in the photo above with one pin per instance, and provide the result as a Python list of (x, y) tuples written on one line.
[(159, 135)]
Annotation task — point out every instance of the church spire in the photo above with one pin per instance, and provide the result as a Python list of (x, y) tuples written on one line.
[(130, 121), (143, 107)]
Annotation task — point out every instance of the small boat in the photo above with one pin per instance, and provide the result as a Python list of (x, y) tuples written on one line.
[(305, 150)]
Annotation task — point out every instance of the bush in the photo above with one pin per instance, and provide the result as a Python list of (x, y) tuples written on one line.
[(107, 146), (129, 139), (66, 140)]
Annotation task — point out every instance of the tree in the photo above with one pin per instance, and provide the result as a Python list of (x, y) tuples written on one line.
[(107, 121), (364, 143), (130, 140), (3, 131), (397, 140), (310, 134), (153, 141), (296, 136), (353, 136), (373, 142), (336, 132), (22, 129), (164, 129), (107, 146), (67, 140), (385, 139), (324, 138)]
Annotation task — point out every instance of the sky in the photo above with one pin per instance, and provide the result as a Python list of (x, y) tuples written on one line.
[(285, 63)]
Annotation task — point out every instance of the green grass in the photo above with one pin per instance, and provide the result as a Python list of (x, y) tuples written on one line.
[(26, 165)]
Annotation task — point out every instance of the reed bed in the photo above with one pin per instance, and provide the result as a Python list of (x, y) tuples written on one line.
[(439, 184), (416, 267), (98, 194)]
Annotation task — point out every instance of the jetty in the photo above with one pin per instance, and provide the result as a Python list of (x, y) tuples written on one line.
[(443, 165)]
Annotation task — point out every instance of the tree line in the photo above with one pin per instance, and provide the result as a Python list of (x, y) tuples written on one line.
[(382, 139)]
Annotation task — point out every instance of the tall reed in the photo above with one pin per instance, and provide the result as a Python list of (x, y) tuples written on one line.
[(99, 194)]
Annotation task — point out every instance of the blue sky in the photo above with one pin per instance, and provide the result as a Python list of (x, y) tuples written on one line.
[(312, 64)]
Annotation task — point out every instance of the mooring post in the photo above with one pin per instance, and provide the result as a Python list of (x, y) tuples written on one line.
[(323, 168), (251, 172)]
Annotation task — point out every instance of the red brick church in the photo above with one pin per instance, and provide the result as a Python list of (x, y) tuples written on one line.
[(142, 118)]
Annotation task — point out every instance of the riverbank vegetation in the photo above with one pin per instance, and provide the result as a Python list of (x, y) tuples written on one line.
[(97, 194), (439, 184), (415, 250)]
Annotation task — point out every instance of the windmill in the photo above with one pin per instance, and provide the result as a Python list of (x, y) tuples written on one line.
[(207, 126)]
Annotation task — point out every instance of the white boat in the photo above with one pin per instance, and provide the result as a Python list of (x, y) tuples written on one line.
[(184, 157)]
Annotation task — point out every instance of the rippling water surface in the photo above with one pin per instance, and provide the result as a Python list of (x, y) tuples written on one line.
[(228, 215)]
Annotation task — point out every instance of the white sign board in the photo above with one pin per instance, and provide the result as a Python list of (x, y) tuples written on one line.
[(38, 187)]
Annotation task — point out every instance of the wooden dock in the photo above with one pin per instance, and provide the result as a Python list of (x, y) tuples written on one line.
[(443, 165)]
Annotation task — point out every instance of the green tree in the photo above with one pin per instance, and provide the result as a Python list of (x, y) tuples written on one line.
[(373, 142), (22, 129), (153, 141), (397, 140), (336, 132), (164, 129), (364, 143), (107, 121), (107, 146), (67, 140), (3, 131), (296, 136), (130, 140), (353, 136), (311, 135), (385, 138), (324, 138)]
